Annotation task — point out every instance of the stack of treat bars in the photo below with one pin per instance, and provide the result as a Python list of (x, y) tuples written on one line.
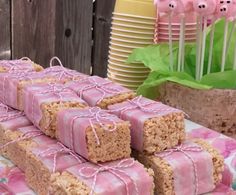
[(69, 133)]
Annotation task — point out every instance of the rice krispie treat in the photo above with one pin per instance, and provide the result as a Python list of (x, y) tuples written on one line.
[(18, 142), (100, 92), (24, 64), (154, 126), (42, 102), (126, 176), (44, 161), (94, 134), (194, 167), (10, 120), (13, 84)]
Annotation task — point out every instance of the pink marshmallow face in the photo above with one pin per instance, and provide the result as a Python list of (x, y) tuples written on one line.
[(205, 7), (174, 6), (226, 8)]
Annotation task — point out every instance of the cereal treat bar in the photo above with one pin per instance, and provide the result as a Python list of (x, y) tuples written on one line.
[(13, 84), (194, 167), (18, 142), (10, 120), (20, 65), (126, 176), (100, 92), (45, 161), (154, 126), (42, 102), (94, 134)]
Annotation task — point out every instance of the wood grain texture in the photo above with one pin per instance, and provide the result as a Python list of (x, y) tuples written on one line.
[(33, 29), (5, 38), (74, 34), (46, 28), (101, 33)]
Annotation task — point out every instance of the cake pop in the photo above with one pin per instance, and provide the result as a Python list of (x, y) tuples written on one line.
[(205, 10)]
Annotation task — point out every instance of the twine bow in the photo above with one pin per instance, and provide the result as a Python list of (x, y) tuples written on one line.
[(64, 72), (25, 136), (94, 115), (116, 170), (101, 87), (185, 149), (56, 151), (137, 104)]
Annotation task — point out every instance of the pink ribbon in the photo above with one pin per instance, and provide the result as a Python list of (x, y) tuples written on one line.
[(27, 135), (94, 115), (91, 172), (136, 104), (101, 87), (11, 115), (56, 151), (184, 149)]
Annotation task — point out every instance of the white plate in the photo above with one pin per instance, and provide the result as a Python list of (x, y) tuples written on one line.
[(132, 37), (133, 16), (128, 41), (133, 21), (133, 31), (132, 26)]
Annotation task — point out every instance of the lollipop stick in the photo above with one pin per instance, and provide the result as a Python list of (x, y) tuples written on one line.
[(183, 46), (234, 67), (230, 37), (180, 43), (224, 46), (203, 47), (211, 48), (198, 48), (170, 43)]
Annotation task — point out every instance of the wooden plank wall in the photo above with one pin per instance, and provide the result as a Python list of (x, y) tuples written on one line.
[(41, 29), (5, 34), (102, 23)]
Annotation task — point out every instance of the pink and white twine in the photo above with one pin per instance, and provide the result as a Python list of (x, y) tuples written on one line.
[(94, 115), (56, 151), (116, 170)]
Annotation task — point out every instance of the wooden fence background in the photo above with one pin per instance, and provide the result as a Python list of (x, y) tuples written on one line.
[(77, 31)]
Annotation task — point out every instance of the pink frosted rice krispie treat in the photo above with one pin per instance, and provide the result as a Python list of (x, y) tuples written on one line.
[(10, 120), (100, 92), (194, 167), (45, 161), (12, 179), (24, 64), (94, 134), (42, 102), (13, 84), (154, 126), (19, 142), (126, 176)]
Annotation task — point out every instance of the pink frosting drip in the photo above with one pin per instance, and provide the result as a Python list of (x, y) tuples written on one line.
[(192, 167), (94, 89), (137, 111), (37, 94), (56, 157), (73, 122), (126, 176)]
